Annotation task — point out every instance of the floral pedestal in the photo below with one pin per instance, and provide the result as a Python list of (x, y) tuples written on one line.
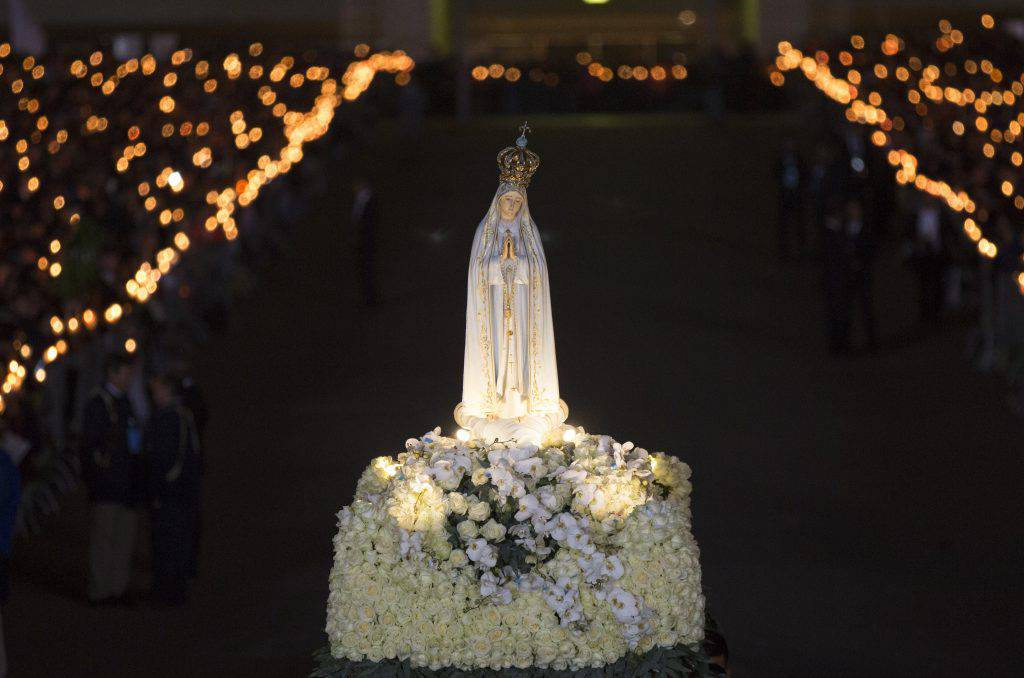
[(569, 558)]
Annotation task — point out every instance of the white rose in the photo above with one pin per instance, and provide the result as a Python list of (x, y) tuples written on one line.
[(457, 503), (493, 531), (438, 544), (480, 476), (467, 530), (480, 511), (458, 558)]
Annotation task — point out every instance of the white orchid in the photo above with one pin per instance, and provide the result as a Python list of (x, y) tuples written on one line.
[(445, 474), (624, 606), (530, 582), (531, 507), (563, 598), (560, 525), (613, 568), (578, 539), (532, 467), (508, 457), (481, 553), (549, 497), (520, 531), (592, 565), (496, 588), (411, 545), (534, 545), (573, 475), (588, 494), (506, 482)]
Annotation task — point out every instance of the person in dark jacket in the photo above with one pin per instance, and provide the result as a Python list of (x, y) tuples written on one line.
[(790, 180), (861, 243), (172, 447), (12, 450), (366, 215), (928, 248), (195, 402), (111, 447), (835, 259)]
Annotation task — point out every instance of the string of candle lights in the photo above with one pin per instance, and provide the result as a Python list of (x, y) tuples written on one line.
[(592, 67), (971, 107), (655, 72), (180, 137), (845, 92)]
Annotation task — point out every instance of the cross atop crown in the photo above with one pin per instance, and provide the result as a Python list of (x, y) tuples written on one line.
[(521, 141)]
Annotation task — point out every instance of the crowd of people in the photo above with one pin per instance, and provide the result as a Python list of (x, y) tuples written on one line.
[(127, 466), (836, 187), (119, 411)]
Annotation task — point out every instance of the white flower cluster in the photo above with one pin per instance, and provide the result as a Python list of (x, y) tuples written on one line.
[(474, 555)]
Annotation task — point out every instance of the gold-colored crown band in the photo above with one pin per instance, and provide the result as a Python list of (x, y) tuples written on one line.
[(516, 164)]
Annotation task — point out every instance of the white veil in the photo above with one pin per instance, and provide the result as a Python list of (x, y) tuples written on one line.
[(479, 393)]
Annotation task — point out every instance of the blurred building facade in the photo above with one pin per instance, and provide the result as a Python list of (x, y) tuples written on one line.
[(505, 30)]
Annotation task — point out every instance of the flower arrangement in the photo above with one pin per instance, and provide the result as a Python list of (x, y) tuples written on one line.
[(559, 558)]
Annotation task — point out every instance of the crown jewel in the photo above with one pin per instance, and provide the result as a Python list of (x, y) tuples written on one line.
[(516, 164)]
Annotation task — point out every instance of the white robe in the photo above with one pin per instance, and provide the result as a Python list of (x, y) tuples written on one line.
[(509, 375)]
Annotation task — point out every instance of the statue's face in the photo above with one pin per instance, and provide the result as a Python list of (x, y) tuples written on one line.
[(509, 205)]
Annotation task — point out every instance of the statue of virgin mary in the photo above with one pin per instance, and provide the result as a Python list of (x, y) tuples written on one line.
[(510, 375)]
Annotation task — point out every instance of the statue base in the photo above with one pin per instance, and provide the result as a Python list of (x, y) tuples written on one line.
[(534, 427)]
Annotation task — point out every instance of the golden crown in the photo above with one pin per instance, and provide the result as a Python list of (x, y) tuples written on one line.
[(516, 164)]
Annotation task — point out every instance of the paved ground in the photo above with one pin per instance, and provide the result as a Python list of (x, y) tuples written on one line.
[(856, 517)]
